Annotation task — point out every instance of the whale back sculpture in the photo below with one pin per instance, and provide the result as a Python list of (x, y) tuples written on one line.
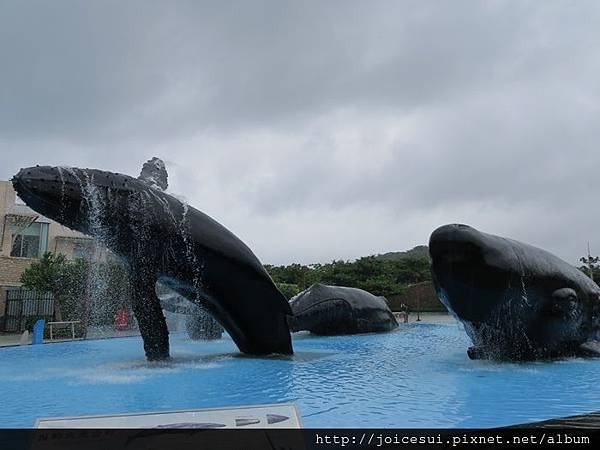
[(164, 239), (332, 310), (516, 301)]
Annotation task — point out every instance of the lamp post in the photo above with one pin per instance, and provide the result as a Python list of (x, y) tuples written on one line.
[(418, 291)]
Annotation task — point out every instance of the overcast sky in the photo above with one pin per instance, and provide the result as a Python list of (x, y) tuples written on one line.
[(327, 129)]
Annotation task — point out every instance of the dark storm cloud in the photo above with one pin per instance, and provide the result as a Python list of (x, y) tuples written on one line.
[(321, 129), (97, 67)]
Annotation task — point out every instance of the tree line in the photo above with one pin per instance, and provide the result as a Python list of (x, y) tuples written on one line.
[(381, 275), (103, 287)]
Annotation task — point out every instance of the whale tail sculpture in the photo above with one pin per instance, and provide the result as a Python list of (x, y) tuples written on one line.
[(163, 239), (516, 301)]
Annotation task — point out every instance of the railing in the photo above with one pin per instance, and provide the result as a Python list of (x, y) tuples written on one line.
[(24, 306), (64, 324)]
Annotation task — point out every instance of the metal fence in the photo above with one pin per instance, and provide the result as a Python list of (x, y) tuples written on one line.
[(24, 306)]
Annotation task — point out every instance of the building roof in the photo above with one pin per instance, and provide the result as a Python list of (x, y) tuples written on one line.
[(25, 211)]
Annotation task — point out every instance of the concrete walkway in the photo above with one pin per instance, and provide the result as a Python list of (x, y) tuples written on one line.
[(9, 340), (432, 317), (426, 317)]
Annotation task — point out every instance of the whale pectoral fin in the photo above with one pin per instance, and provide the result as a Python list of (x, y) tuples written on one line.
[(590, 348), (150, 317)]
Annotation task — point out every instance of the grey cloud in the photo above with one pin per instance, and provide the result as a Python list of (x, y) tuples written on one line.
[(112, 68), (319, 130)]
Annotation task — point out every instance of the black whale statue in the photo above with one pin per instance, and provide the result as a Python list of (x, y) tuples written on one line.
[(516, 301), (163, 239), (331, 310)]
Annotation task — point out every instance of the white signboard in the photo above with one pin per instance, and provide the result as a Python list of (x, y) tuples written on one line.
[(259, 416)]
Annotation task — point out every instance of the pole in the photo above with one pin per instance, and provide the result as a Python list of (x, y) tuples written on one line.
[(418, 305), (591, 268)]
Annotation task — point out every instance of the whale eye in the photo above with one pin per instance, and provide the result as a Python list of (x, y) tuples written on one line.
[(562, 303), (564, 295)]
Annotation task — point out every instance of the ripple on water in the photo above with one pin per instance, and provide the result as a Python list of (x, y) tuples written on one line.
[(417, 376)]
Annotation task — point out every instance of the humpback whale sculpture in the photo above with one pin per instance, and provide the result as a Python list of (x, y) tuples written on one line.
[(331, 310), (163, 239), (516, 301)]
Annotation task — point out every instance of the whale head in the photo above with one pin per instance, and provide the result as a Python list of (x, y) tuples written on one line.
[(464, 260), (516, 301), (87, 200)]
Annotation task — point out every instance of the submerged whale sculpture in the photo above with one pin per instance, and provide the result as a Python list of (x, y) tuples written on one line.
[(163, 239), (199, 324), (516, 301), (330, 310)]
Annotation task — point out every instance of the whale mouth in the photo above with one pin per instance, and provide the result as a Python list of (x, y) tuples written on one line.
[(35, 191), (463, 272), (456, 253), (53, 192), (46, 183)]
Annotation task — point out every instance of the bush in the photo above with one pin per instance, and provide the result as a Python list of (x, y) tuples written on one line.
[(380, 276), (104, 286), (288, 289)]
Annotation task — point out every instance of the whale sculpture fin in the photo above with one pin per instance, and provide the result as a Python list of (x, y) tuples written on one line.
[(154, 173), (590, 348), (148, 312)]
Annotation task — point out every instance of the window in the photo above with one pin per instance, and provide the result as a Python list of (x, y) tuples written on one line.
[(32, 242), (81, 251)]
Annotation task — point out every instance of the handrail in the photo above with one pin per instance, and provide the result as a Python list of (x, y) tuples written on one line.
[(67, 322)]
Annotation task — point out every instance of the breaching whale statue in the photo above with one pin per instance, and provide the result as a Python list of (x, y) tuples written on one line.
[(516, 301), (332, 310), (163, 239)]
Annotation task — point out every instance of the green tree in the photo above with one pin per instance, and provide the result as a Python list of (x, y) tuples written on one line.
[(590, 266), (288, 289), (79, 284), (376, 274)]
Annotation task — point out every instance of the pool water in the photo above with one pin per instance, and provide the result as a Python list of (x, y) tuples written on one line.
[(417, 376)]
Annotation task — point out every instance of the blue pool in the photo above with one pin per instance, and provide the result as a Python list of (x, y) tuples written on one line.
[(418, 376)]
